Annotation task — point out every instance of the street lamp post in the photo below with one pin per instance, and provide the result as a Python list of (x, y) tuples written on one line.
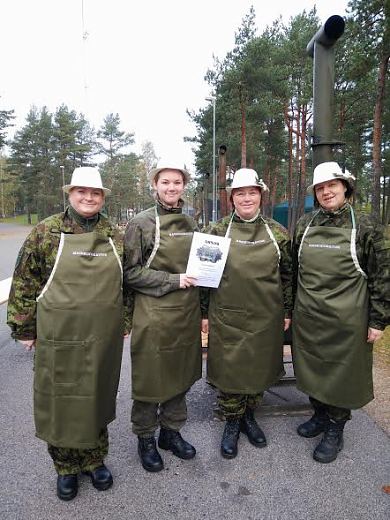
[(214, 177), (63, 183)]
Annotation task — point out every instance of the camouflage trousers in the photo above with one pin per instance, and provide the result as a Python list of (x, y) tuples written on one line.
[(334, 412), (233, 406), (69, 461), (146, 417)]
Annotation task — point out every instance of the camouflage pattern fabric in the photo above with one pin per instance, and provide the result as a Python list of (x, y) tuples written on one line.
[(282, 238), (36, 260), (373, 252), (233, 406), (70, 461), (333, 412)]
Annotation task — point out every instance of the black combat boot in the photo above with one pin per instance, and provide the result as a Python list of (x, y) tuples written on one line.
[(253, 431), (315, 425), (230, 437), (101, 478), (173, 441), (331, 443), (150, 457), (67, 487)]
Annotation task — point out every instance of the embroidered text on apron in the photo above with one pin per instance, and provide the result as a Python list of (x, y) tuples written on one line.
[(79, 346), (332, 359), (166, 343), (246, 314)]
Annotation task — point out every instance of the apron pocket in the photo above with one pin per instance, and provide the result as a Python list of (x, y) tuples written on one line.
[(60, 365), (68, 362), (322, 337), (234, 324), (173, 327), (43, 362)]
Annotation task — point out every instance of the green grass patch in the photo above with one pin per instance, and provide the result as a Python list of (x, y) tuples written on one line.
[(20, 220)]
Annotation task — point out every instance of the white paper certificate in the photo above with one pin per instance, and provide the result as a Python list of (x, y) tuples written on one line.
[(207, 259)]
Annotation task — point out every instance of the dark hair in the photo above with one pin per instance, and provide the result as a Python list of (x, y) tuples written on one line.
[(348, 194)]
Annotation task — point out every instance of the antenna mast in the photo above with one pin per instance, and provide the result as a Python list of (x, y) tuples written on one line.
[(84, 37)]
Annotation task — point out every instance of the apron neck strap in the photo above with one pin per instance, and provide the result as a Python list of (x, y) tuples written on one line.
[(352, 216), (230, 225), (156, 239), (270, 234), (305, 233)]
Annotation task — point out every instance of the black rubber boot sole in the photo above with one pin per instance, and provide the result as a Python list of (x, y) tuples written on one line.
[(332, 458)]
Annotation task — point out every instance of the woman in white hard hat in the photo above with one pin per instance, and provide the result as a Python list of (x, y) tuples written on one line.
[(66, 302), (247, 315), (341, 279), (166, 342)]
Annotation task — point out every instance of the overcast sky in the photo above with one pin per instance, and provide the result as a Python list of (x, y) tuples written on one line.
[(145, 59)]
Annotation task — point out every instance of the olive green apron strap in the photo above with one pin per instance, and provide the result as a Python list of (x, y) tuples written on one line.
[(227, 234), (272, 237), (270, 234), (304, 235), (116, 256)]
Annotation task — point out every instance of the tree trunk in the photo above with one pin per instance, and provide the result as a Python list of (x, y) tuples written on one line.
[(265, 198), (302, 180), (377, 135), (273, 189), (296, 179), (386, 220), (290, 166), (384, 198)]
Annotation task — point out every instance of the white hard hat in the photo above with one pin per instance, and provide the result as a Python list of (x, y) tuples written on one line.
[(87, 177), (328, 171), (168, 165), (245, 177)]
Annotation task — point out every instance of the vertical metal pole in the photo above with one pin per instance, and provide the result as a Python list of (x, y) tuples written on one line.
[(222, 181), (63, 183), (323, 103), (214, 214), (321, 49), (84, 55)]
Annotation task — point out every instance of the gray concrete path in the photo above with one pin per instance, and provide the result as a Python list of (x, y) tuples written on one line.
[(11, 238), (279, 482)]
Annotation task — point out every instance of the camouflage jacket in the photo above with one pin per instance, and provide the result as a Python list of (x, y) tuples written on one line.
[(373, 252), (282, 238), (35, 262), (138, 246)]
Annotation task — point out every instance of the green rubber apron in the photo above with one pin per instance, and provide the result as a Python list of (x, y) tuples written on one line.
[(332, 359), (246, 314), (79, 346), (166, 349)]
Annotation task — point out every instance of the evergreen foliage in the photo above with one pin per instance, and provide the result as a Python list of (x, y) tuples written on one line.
[(263, 90)]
